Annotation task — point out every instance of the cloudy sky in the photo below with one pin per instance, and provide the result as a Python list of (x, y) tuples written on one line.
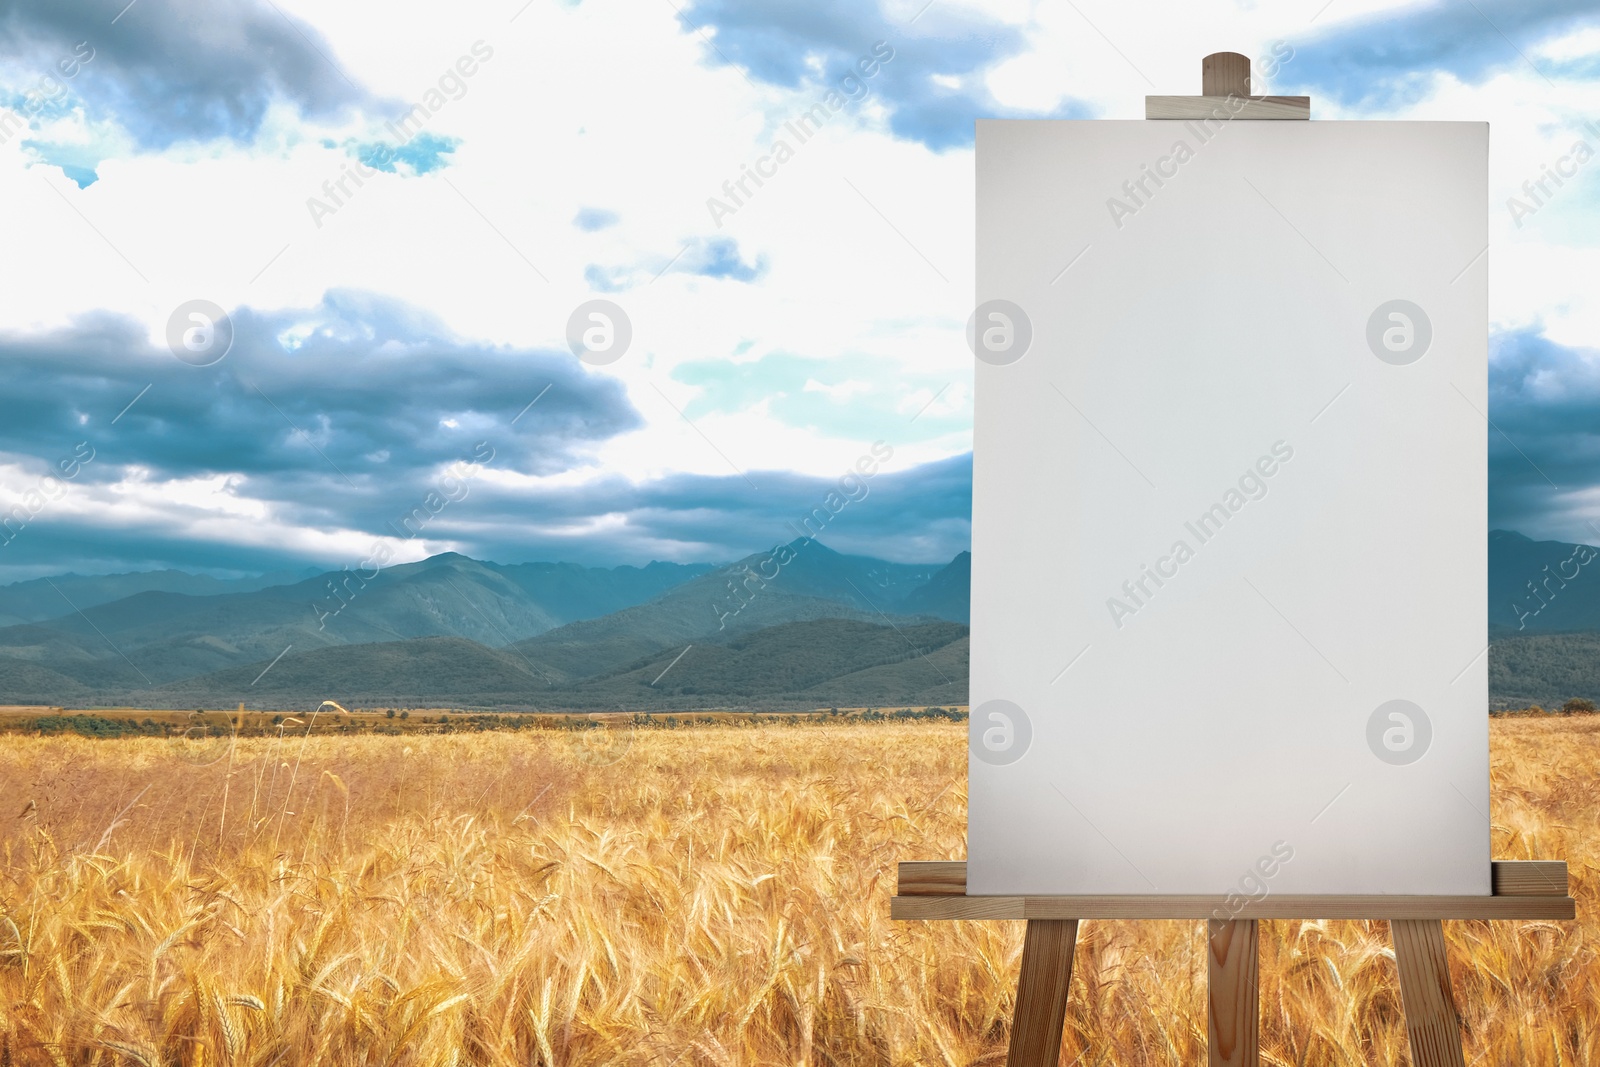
[(400, 207)]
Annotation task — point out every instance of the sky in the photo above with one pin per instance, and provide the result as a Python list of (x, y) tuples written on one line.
[(284, 282)]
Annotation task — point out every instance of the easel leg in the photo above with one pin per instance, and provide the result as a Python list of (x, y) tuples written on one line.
[(1042, 993), (1432, 1023), (1233, 1004)]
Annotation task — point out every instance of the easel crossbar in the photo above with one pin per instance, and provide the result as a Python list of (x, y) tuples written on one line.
[(1523, 889)]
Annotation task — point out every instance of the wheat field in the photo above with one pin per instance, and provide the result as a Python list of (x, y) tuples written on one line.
[(709, 896)]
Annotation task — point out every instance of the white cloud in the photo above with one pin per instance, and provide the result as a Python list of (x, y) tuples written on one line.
[(1575, 45)]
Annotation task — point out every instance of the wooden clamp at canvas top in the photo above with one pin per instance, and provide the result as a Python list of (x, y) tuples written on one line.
[(1225, 94), (938, 890)]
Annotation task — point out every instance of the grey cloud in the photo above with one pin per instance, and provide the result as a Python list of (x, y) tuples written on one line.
[(176, 70), (1544, 455), (919, 514), (319, 409), (778, 42), (372, 383), (1387, 60)]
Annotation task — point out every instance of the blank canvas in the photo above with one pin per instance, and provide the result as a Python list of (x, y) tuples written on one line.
[(1264, 341)]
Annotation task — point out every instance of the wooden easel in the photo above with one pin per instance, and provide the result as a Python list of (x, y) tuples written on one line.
[(1534, 889), (1527, 889)]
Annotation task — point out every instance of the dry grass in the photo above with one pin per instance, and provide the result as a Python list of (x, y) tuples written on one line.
[(714, 897)]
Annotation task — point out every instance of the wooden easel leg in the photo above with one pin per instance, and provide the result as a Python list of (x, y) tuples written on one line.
[(1233, 1005), (1432, 1023), (1042, 993)]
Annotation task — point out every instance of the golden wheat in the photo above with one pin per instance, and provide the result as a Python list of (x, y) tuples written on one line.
[(714, 896)]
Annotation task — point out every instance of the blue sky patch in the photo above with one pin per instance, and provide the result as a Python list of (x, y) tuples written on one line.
[(590, 219), (422, 154)]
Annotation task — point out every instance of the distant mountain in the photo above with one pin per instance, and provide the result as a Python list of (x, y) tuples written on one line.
[(800, 581), (487, 634), (442, 671), (814, 660), (798, 625), (1542, 586), (48, 598), (947, 595), (820, 663), (569, 592), (155, 637), (28, 683), (1544, 669)]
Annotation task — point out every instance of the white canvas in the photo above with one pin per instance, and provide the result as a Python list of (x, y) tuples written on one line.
[(1301, 298)]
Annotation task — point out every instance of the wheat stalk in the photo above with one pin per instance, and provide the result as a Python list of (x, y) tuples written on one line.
[(716, 897)]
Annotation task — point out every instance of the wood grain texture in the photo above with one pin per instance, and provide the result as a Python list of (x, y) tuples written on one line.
[(1222, 73), (1221, 107), (936, 878), (1042, 993), (1524, 889), (1517, 878), (1209, 907), (1233, 1012), (1432, 1023)]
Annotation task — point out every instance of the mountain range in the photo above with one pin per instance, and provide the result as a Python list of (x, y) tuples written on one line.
[(455, 631), (798, 626)]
